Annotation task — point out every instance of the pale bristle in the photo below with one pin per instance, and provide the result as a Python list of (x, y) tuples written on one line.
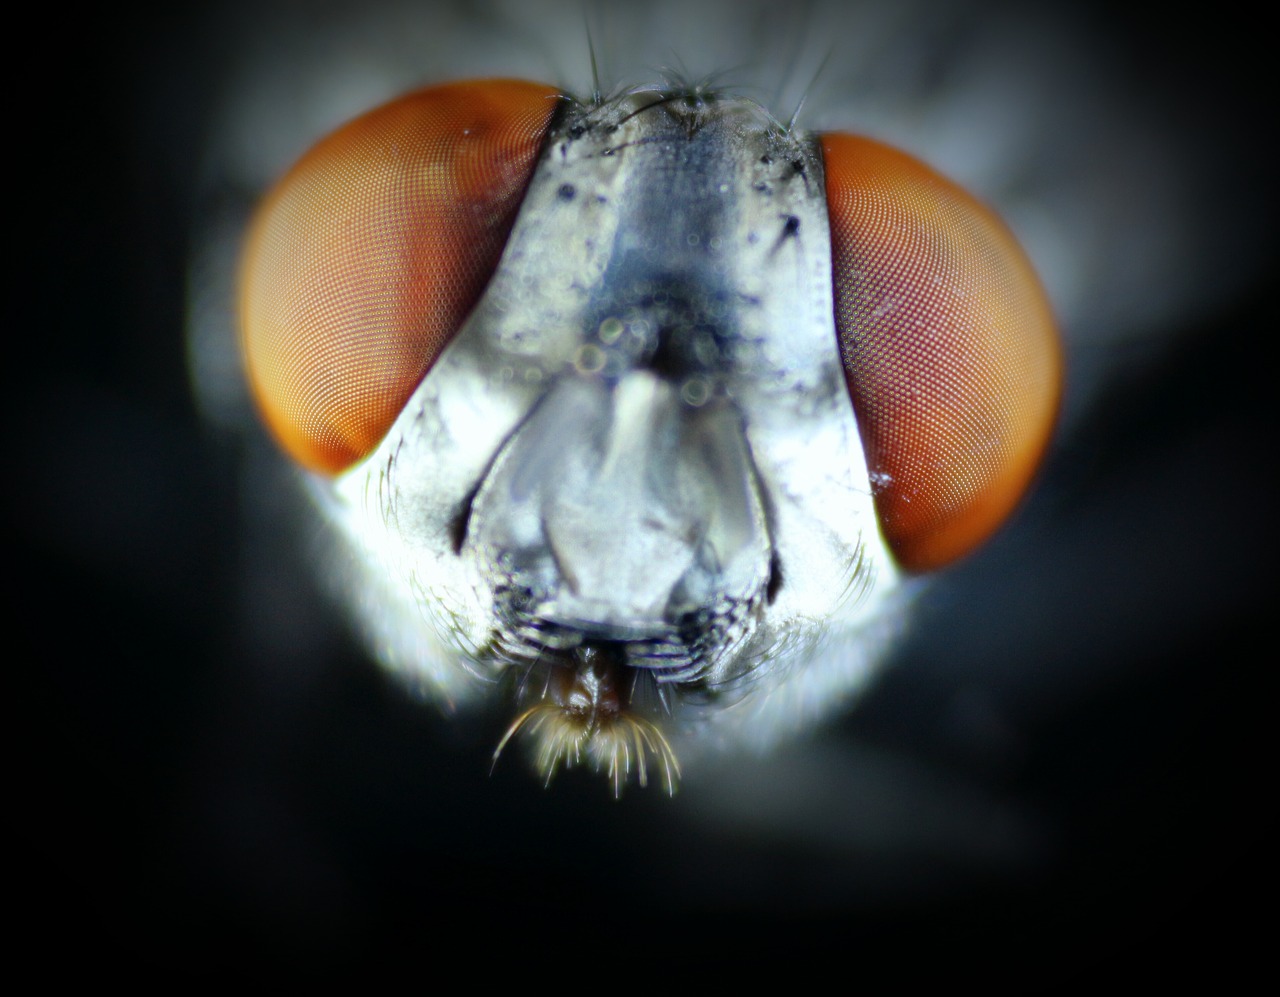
[(614, 745)]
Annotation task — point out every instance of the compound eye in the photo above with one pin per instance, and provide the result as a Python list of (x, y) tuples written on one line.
[(950, 350), (366, 258)]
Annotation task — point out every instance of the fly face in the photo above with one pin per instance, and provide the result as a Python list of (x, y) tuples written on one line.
[(637, 412)]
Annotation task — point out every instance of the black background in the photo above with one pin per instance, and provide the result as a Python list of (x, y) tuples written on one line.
[(179, 799)]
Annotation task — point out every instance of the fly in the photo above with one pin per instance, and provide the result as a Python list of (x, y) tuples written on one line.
[(638, 411)]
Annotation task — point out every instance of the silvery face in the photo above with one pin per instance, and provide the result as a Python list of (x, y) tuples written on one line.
[(638, 459)]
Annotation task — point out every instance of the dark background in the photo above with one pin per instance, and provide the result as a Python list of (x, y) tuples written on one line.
[(186, 791)]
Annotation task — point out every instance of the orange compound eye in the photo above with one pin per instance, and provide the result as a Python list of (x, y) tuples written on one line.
[(950, 350), (367, 257)]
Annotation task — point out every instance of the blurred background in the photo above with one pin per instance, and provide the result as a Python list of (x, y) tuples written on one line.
[(1064, 764)]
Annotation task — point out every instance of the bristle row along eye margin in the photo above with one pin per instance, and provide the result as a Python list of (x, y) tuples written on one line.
[(949, 347), (367, 257)]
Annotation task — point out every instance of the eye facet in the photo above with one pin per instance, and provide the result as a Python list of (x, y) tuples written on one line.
[(366, 258), (949, 347)]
